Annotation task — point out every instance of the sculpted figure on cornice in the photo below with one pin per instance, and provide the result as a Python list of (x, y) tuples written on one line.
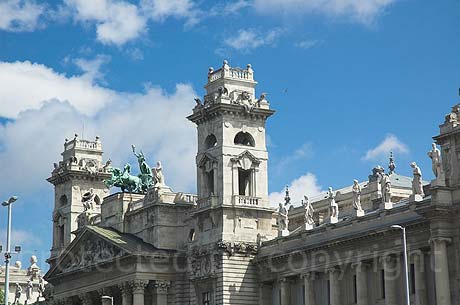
[(385, 184), (436, 163), (417, 185)]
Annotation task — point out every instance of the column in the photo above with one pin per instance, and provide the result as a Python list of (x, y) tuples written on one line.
[(419, 274), (265, 294), (138, 287), (389, 267), (441, 271), (334, 286), (361, 283), (85, 299), (126, 295), (309, 288), (161, 292), (285, 292)]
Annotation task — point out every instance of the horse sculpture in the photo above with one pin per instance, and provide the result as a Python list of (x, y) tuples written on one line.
[(124, 180)]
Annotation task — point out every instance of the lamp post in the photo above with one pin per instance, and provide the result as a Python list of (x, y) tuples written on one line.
[(8, 203), (406, 269), (106, 298)]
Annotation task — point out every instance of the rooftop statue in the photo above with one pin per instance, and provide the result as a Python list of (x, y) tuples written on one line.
[(333, 206), (435, 155), (283, 220), (417, 185), (130, 183), (308, 210), (386, 188), (356, 189)]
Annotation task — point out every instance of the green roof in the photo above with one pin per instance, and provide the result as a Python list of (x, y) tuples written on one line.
[(126, 241)]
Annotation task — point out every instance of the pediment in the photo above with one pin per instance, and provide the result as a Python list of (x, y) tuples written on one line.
[(246, 160), (206, 161)]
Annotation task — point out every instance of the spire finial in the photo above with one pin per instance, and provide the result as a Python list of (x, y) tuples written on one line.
[(391, 164), (287, 199)]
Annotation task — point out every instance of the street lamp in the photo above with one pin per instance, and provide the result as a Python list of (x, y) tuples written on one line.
[(406, 273), (106, 298), (8, 203)]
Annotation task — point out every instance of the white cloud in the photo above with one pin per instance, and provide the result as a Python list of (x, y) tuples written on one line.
[(27, 85), (159, 10), (20, 15), (153, 120), (92, 67), (306, 44), (362, 11), (304, 185), (382, 151), (117, 22), (249, 39)]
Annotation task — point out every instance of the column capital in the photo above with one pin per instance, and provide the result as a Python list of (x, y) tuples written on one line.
[(388, 259), (162, 286), (85, 299), (284, 280), (125, 287), (439, 240), (138, 285), (104, 291), (333, 270), (309, 275), (360, 264)]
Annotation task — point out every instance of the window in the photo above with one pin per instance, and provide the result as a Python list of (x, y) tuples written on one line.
[(244, 138), (63, 200), (206, 300), (382, 283), (244, 182), (412, 279), (211, 141), (210, 182), (355, 290), (61, 235)]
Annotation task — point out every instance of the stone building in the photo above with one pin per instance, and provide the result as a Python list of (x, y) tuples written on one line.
[(227, 245)]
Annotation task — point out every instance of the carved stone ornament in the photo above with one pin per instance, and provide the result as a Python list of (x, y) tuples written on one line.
[(91, 252)]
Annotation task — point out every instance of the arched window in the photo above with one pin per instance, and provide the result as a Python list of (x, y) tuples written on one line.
[(63, 200), (211, 141), (244, 138)]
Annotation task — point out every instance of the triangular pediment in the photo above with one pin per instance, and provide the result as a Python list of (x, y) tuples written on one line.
[(246, 159), (97, 245), (206, 159)]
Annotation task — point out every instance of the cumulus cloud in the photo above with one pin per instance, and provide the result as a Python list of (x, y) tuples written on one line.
[(304, 185), (153, 120), (27, 85), (117, 22), (382, 151), (20, 15), (306, 44), (249, 39), (159, 10), (364, 12)]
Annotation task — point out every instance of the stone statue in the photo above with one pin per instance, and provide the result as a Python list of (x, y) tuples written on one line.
[(283, 220), (18, 264), (417, 184), (29, 290), (158, 175), (17, 294), (356, 189), (334, 208), (33, 271), (41, 287), (435, 155), (308, 210), (385, 184), (88, 199)]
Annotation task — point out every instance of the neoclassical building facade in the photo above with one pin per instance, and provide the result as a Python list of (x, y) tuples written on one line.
[(228, 245)]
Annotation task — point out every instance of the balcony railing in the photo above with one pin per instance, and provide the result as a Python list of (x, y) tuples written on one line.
[(207, 202), (245, 200)]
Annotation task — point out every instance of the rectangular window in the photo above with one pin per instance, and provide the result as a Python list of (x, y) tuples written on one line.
[(355, 290), (206, 300), (412, 279), (328, 292), (244, 182), (382, 283)]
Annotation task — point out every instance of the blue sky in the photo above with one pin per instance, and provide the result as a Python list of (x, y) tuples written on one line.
[(350, 80)]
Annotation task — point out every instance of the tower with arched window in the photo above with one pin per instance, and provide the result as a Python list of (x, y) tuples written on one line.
[(78, 190), (233, 213)]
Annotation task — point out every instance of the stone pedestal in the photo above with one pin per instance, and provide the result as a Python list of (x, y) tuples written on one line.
[(386, 205), (308, 227), (282, 233), (334, 219), (440, 181), (415, 198), (358, 213)]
